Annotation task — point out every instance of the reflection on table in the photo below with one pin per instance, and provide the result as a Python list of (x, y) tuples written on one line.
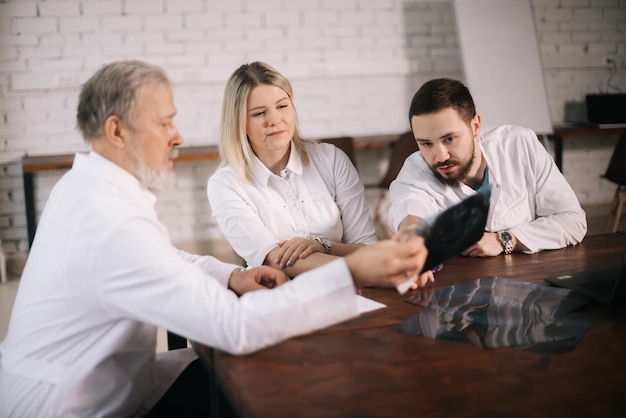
[(495, 312)]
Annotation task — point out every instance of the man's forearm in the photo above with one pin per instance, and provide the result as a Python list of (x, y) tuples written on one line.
[(409, 222)]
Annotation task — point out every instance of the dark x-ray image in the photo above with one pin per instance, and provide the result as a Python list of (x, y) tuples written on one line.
[(455, 229)]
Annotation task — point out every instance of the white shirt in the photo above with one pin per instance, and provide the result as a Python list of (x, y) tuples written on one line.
[(529, 196), (323, 198), (102, 275)]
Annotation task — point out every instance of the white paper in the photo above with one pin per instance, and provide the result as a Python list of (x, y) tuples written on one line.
[(364, 304), (406, 285)]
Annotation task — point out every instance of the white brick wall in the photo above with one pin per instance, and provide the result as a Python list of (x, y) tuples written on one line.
[(354, 65)]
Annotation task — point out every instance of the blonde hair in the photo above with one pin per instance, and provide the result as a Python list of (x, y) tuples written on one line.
[(234, 147)]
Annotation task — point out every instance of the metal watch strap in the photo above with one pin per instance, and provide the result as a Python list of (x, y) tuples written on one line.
[(324, 242), (506, 239)]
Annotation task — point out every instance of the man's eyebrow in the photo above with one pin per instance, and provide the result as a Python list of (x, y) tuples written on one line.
[(446, 135)]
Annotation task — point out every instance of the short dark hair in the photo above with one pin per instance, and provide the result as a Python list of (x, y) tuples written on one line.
[(442, 93)]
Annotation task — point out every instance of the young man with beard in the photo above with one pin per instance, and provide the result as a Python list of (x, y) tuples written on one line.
[(102, 275), (533, 208)]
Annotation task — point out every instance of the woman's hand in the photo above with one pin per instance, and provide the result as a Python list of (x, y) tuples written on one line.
[(296, 248)]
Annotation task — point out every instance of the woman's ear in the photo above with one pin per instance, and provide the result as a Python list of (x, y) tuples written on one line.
[(114, 132)]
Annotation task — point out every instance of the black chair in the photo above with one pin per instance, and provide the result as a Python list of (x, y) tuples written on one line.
[(175, 341), (401, 148), (616, 173)]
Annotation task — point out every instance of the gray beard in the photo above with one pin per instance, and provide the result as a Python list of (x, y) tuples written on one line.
[(153, 179)]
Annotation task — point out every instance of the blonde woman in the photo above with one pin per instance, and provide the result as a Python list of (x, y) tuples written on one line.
[(280, 200)]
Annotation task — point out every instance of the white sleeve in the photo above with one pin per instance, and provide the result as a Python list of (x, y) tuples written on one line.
[(410, 197), (559, 219), (145, 278), (239, 222), (358, 227), (211, 266)]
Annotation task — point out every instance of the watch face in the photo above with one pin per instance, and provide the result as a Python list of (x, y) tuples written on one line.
[(326, 242), (506, 236), (506, 239)]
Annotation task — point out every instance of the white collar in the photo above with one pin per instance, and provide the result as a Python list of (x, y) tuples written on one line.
[(262, 174), (94, 164)]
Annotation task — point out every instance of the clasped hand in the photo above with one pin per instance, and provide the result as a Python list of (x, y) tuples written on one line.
[(488, 246), (263, 277), (296, 248)]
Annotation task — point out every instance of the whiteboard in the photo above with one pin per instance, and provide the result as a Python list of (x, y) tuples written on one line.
[(501, 61)]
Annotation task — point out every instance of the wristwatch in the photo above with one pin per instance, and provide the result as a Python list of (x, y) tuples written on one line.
[(326, 243), (506, 239)]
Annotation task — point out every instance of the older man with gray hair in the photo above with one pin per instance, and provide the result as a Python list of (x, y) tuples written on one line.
[(102, 275)]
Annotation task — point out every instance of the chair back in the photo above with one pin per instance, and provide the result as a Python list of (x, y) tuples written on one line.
[(404, 146), (344, 143), (616, 171)]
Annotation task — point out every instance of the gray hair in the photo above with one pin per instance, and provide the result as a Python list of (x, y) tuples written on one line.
[(114, 90)]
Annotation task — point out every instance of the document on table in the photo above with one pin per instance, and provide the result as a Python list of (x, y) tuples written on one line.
[(364, 304)]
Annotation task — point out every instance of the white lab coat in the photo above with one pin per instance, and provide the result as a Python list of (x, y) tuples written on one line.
[(102, 275), (529, 196), (323, 198)]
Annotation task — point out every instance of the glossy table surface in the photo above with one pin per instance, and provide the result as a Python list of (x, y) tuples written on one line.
[(366, 368)]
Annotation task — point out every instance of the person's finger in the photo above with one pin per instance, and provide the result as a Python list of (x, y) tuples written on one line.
[(412, 260), (291, 256), (304, 248), (252, 285), (269, 277), (244, 282), (284, 260), (425, 278), (467, 251), (307, 252), (283, 253), (282, 247)]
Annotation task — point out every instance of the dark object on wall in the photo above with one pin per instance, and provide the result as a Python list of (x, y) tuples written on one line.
[(606, 109)]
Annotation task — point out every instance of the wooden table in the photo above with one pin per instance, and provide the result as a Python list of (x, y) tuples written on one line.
[(561, 132), (366, 368), (34, 164)]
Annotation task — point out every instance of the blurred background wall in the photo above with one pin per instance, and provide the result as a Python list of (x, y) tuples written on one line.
[(354, 65)]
